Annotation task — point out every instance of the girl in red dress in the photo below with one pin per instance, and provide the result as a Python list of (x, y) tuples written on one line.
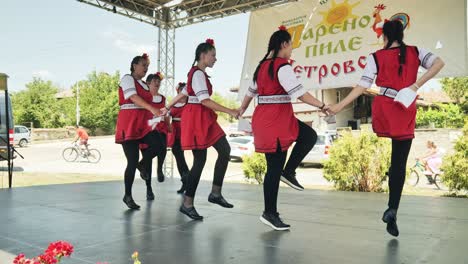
[(174, 139), (274, 125), (200, 130), (163, 126), (133, 126), (395, 70)]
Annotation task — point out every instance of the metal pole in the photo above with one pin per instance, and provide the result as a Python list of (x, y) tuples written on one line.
[(7, 114), (78, 105)]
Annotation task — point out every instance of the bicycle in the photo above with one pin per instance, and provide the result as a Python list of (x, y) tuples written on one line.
[(419, 170), (72, 153)]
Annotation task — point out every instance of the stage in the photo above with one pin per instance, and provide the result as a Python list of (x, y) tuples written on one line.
[(327, 226)]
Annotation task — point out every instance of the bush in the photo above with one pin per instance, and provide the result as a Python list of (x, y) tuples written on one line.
[(444, 116), (358, 163), (254, 167), (455, 166)]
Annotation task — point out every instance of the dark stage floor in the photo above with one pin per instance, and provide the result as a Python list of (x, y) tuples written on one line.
[(327, 227)]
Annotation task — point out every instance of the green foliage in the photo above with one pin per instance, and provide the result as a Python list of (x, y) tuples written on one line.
[(455, 167), (358, 163), (99, 101), (442, 116), (254, 167), (457, 89), (37, 104), (226, 101)]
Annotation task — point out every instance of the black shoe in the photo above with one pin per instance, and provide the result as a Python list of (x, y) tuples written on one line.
[(143, 174), (160, 176), (274, 221), (149, 195), (128, 200), (390, 217), (219, 200), (190, 212), (430, 179), (290, 179)]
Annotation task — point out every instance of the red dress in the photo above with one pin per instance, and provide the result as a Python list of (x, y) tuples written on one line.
[(159, 101), (391, 119), (273, 120), (200, 130), (132, 121), (176, 113)]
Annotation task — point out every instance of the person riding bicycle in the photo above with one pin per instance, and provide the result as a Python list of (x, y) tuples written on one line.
[(82, 135), (432, 160)]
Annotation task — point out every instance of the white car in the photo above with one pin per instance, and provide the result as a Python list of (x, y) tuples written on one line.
[(241, 146), (320, 151), (22, 136)]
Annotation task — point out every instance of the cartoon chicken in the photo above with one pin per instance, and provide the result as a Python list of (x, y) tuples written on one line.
[(377, 26)]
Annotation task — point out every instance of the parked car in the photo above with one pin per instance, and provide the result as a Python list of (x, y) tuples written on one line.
[(241, 146), (234, 131), (22, 136), (320, 151), (3, 128)]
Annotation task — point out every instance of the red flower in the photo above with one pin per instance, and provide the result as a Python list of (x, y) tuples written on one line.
[(160, 76), (210, 41), (59, 249), (145, 56), (282, 27), (47, 259)]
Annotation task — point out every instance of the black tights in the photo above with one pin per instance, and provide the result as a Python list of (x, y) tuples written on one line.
[(131, 150), (199, 160), (275, 163), (162, 154), (397, 172), (180, 158)]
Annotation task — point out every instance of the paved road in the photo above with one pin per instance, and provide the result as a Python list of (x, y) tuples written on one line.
[(47, 158)]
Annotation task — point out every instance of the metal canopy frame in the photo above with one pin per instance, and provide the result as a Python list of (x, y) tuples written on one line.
[(168, 15)]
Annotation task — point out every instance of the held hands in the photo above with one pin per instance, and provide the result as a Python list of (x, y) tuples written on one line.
[(163, 111)]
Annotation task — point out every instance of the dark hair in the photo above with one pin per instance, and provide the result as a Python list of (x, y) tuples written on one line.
[(276, 40), (137, 60), (202, 48), (152, 76), (180, 85), (393, 30)]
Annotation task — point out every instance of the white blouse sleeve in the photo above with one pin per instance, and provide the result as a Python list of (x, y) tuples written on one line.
[(199, 86), (127, 83), (252, 90), (426, 58), (370, 71), (290, 83)]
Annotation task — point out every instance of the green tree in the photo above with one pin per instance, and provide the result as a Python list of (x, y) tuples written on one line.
[(457, 89), (99, 101), (37, 104), (226, 101), (442, 116)]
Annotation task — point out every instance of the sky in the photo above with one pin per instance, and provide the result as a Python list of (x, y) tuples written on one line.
[(64, 40)]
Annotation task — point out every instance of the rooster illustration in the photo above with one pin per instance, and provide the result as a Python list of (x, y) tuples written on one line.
[(377, 26)]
